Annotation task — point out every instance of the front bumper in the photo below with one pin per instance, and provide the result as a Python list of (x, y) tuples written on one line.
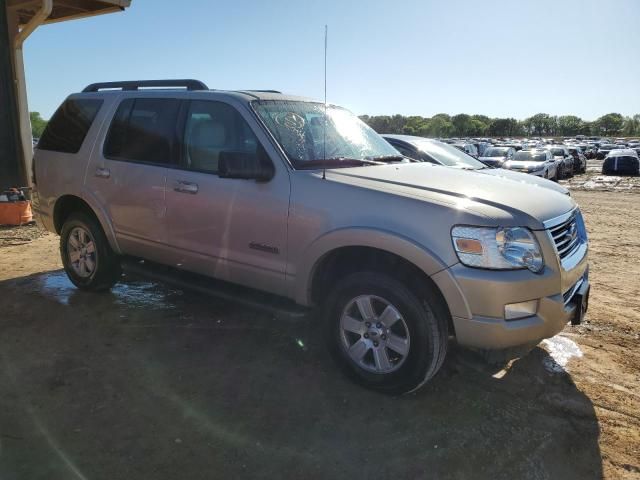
[(496, 333)]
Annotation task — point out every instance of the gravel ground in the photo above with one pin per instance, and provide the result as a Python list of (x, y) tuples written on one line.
[(11, 236), (152, 382), (593, 180)]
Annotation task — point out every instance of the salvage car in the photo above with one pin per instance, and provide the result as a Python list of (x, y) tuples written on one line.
[(294, 205), (439, 153), (496, 156), (563, 159), (538, 162), (604, 149), (579, 159), (621, 162), (468, 148)]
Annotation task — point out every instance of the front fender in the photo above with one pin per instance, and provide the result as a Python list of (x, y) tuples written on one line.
[(391, 242)]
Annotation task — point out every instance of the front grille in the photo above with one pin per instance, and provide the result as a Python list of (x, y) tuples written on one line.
[(566, 237)]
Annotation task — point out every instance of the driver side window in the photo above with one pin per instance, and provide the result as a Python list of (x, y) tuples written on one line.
[(213, 128)]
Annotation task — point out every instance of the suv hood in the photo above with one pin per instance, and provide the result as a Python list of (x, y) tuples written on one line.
[(500, 200)]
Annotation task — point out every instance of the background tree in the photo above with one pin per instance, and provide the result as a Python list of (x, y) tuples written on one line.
[(505, 127), (37, 124), (441, 126), (461, 124), (569, 125), (538, 125), (631, 126), (610, 124)]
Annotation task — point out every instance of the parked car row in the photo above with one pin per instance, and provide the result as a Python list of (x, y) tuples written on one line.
[(552, 162), (592, 147)]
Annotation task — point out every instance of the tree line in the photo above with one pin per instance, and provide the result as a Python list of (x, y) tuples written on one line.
[(463, 125), (539, 125)]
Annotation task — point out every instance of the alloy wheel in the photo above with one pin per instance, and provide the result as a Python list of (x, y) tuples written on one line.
[(81, 250), (374, 334)]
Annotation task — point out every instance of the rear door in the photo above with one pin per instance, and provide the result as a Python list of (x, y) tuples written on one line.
[(231, 229), (129, 173)]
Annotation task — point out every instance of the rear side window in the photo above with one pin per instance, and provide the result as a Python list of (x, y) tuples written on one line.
[(143, 130), (69, 125)]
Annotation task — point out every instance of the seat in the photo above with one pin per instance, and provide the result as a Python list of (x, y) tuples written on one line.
[(208, 138)]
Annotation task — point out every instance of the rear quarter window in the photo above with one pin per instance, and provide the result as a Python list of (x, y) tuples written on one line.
[(143, 130), (68, 127)]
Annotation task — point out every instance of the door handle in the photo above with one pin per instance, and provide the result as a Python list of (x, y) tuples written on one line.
[(103, 172), (186, 187)]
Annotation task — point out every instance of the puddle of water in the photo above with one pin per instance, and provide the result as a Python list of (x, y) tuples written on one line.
[(57, 286), (132, 294), (561, 350)]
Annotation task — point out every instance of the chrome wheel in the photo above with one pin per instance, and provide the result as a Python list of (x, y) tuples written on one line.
[(374, 334), (81, 250)]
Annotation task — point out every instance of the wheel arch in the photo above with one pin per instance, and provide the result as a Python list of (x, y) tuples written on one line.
[(345, 251), (68, 204)]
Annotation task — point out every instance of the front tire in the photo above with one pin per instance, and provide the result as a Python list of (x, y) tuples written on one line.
[(383, 335), (88, 259)]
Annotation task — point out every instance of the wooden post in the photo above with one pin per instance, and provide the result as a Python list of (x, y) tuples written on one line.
[(12, 173)]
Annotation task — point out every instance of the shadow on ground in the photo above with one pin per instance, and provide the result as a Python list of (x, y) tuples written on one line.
[(151, 382)]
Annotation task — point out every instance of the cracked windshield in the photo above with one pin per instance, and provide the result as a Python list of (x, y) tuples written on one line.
[(313, 136)]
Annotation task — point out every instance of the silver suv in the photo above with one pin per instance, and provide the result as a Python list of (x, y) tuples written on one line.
[(290, 200)]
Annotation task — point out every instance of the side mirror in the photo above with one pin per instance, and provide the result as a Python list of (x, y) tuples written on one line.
[(247, 166)]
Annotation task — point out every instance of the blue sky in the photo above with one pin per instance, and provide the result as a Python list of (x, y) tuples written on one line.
[(414, 57)]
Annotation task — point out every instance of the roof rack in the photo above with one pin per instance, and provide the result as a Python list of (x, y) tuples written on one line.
[(137, 84), (261, 91)]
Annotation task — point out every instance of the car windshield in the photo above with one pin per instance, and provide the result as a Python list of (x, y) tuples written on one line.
[(310, 142), (557, 152), (529, 156), (448, 155), (495, 152)]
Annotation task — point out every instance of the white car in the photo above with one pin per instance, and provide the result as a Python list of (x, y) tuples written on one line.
[(535, 162), (434, 151)]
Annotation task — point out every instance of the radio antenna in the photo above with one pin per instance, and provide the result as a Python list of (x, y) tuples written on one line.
[(324, 130)]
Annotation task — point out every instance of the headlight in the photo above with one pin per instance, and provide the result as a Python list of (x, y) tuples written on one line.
[(497, 248)]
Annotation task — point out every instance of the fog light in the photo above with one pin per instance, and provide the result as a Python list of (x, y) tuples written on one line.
[(520, 310)]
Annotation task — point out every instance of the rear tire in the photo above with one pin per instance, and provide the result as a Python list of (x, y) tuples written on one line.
[(88, 259), (384, 336)]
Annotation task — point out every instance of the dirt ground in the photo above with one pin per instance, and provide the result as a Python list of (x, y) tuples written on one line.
[(152, 382)]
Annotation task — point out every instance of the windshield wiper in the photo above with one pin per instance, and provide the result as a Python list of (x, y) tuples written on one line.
[(388, 158), (335, 162), (364, 161)]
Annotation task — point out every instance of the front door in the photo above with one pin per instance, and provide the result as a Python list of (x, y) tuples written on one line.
[(231, 229)]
